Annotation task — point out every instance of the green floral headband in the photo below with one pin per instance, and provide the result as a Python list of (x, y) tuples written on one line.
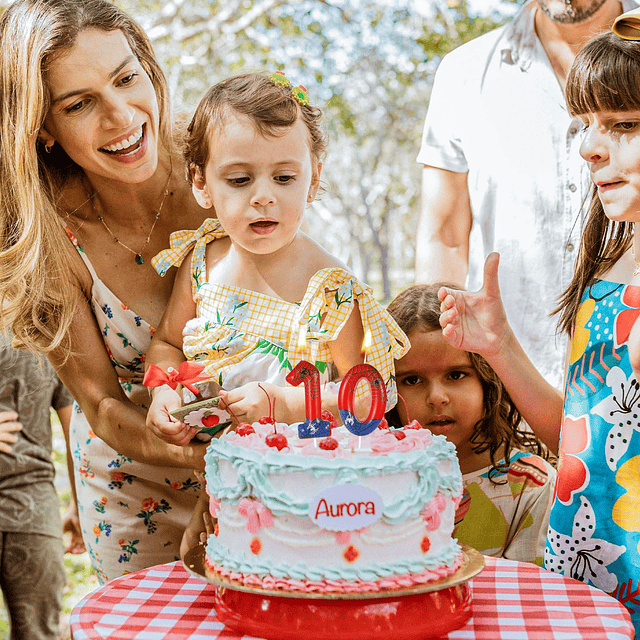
[(299, 92)]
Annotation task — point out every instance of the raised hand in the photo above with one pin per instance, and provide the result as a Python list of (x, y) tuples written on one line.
[(476, 321)]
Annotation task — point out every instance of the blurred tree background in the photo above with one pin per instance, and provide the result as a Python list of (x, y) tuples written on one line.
[(368, 63)]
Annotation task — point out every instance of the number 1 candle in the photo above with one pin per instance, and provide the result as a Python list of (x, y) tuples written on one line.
[(314, 426)]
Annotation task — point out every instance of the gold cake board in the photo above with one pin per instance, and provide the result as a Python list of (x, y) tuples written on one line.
[(472, 564)]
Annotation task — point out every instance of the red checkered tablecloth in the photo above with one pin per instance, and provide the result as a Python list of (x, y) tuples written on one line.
[(511, 601)]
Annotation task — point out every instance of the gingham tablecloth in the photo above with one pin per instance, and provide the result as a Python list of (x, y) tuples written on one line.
[(511, 601)]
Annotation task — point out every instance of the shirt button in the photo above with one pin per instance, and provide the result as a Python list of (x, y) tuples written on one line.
[(572, 187), (569, 246)]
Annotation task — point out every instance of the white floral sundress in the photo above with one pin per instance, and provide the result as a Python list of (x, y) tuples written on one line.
[(245, 336), (133, 515)]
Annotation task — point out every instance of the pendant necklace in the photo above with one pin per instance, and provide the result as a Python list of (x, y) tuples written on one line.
[(138, 254)]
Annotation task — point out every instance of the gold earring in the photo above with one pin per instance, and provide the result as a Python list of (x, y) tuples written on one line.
[(48, 147)]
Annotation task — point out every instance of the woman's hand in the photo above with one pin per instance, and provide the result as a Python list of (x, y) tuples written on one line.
[(71, 527), (476, 321), (9, 426), (162, 423)]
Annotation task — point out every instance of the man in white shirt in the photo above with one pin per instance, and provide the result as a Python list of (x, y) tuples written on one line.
[(502, 171)]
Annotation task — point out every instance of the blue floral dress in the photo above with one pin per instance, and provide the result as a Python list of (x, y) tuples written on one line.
[(594, 527), (132, 514)]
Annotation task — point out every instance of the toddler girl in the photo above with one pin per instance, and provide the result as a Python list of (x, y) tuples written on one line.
[(254, 295), (594, 530), (508, 485)]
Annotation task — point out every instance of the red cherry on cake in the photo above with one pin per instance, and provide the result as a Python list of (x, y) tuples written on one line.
[(400, 435), (267, 420), (244, 429), (414, 424), (383, 424), (276, 440), (329, 417), (328, 443), (210, 420)]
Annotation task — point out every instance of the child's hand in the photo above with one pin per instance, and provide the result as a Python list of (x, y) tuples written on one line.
[(476, 321), (159, 420), (634, 348), (249, 402), (9, 425)]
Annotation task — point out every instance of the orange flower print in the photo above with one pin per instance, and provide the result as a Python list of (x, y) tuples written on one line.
[(149, 504), (627, 317), (149, 508), (573, 475)]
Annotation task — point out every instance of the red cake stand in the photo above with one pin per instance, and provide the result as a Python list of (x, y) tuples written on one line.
[(421, 612)]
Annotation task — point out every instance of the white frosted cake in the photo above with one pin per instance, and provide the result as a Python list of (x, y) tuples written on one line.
[(339, 514)]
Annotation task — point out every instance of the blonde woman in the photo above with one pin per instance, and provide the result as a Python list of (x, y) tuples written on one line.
[(90, 189)]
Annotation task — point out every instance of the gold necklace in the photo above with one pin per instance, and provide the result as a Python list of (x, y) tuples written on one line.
[(138, 254)]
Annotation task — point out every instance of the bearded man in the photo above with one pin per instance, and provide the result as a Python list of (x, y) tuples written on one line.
[(502, 171)]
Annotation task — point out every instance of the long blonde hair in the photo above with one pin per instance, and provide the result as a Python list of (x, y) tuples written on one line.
[(37, 297)]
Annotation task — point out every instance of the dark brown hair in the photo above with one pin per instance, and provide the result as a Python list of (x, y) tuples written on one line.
[(605, 76), (501, 427), (272, 108)]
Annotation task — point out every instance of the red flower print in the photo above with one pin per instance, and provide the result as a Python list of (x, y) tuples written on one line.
[(255, 546), (627, 317), (351, 554), (149, 504), (425, 544), (572, 472), (117, 476)]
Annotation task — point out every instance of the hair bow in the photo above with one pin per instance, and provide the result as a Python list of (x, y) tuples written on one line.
[(187, 374)]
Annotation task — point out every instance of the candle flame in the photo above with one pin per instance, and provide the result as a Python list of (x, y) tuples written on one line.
[(302, 338), (366, 343)]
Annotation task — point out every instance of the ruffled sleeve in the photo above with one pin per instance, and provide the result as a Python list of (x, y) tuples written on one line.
[(181, 242), (323, 312)]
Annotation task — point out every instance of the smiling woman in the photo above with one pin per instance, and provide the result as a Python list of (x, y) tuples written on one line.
[(90, 192)]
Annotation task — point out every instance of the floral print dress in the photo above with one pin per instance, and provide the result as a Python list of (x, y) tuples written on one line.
[(594, 528), (132, 514), (245, 336)]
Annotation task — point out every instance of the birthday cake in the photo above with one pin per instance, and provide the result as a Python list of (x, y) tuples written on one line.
[(339, 514)]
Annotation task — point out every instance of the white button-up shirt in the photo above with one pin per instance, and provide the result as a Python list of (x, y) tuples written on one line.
[(497, 111)]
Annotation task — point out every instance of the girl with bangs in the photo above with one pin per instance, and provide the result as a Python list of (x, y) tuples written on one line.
[(594, 530)]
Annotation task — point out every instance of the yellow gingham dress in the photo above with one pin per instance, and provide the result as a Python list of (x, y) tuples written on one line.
[(245, 336)]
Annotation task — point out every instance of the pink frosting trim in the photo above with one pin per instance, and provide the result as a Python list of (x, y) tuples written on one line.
[(338, 586)]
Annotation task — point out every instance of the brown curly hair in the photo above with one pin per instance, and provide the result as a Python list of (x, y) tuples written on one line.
[(501, 426)]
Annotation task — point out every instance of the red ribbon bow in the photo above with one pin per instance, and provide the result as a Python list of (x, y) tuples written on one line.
[(187, 374)]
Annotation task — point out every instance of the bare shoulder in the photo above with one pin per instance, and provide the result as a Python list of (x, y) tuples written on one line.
[(317, 257)]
